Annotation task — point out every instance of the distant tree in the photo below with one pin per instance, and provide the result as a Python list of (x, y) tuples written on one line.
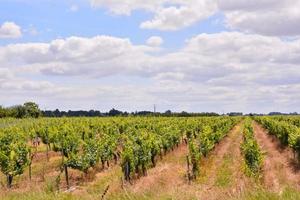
[(276, 113), (168, 113), (32, 109), (3, 112), (143, 113), (57, 113), (235, 114), (18, 111), (114, 112), (184, 114), (126, 113)]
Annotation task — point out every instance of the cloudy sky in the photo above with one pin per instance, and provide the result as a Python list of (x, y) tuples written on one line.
[(192, 55)]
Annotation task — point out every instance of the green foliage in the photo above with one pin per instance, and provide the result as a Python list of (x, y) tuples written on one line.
[(251, 151), (106, 147), (32, 110), (13, 153), (194, 157), (202, 139), (207, 141), (66, 141), (85, 159), (284, 129), (139, 142), (27, 110), (3, 112)]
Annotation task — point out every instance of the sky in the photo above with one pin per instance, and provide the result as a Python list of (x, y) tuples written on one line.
[(181, 55)]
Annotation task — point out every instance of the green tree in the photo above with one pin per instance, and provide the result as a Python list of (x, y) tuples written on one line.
[(18, 111), (3, 112), (32, 109)]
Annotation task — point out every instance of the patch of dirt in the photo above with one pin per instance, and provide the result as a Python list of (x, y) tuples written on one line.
[(41, 173), (167, 178), (228, 148), (240, 180), (215, 158), (168, 174), (40, 156), (280, 168), (109, 176)]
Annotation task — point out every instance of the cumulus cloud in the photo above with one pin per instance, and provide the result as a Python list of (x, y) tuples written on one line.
[(155, 41), (4, 74), (211, 72), (169, 15), (9, 30), (267, 17), (186, 13), (204, 57), (97, 56), (125, 7)]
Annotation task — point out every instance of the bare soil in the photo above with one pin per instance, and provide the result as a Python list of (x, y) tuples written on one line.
[(170, 168), (223, 169), (280, 168)]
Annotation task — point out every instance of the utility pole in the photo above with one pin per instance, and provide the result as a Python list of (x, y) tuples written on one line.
[(154, 108)]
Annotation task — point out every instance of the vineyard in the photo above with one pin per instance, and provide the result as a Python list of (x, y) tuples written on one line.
[(150, 158)]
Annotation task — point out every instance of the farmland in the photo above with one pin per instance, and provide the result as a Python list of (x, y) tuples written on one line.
[(150, 158)]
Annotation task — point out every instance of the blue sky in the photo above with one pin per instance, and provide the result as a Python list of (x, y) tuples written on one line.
[(193, 55), (55, 19)]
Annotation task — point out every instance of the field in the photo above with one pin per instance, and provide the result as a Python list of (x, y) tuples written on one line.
[(150, 158)]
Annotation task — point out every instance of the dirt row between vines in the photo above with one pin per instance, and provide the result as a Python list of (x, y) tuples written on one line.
[(221, 176), (280, 168)]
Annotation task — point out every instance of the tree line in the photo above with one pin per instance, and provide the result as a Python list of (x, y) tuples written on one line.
[(32, 110), (113, 112), (27, 110)]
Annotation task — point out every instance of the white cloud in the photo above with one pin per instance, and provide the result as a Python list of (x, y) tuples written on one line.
[(125, 7), (169, 15), (101, 55), (228, 70), (176, 17), (205, 57), (155, 41), (250, 5), (26, 85), (268, 17), (5, 74), (10, 30)]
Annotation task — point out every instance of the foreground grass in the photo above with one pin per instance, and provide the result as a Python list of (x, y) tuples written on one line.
[(224, 175), (257, 194), (260, 193), (38, 196)]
